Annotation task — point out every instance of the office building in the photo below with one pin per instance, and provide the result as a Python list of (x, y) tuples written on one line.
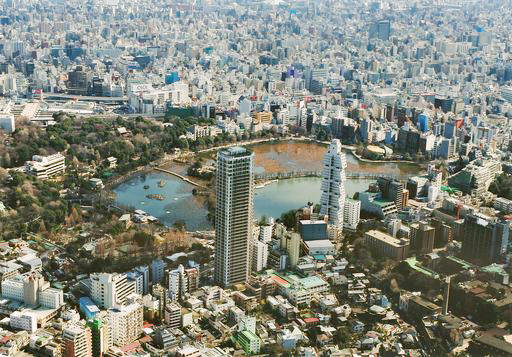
[(423, 122), (312, 229), (506, 93), (144, 270), (78, 81), (157, 271), (351, 214), (380, 30), (393, 190), (385, 245), (422, 238), (76, 341), (125, 323), (484, 240), (109, 290), (100, 337), (332, 201), (233, 215), (44, 167)]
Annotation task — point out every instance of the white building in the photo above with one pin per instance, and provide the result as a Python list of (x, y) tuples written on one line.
[(332, 202), (266, 231), (320, 247), (33, 291), (125, 323), (51, 298), (178, 283), (44, 167), (259, 255), (188, 351), (503, 204), (23, 320), (351, 214), (12, 289), (108, 290)]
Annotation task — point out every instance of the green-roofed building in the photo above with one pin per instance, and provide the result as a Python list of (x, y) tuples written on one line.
[(373, 202), (100, 337), (249, 342)]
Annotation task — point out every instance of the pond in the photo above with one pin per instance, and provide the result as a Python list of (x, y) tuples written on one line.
[(272, 200)]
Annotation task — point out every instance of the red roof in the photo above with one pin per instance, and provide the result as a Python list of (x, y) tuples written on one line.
[(145, 339), (279, 280), (130, 347), (311, 320)]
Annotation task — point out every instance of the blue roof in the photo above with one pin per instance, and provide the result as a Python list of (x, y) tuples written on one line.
[(87, 304)]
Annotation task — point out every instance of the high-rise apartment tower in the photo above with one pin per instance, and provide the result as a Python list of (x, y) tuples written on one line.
[(233, 215)]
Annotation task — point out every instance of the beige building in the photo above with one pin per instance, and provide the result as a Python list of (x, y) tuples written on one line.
[(262, 118), (385, 245), (76, 341), (125, 323)]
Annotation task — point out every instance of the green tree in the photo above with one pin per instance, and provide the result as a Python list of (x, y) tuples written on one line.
[(289, 219)]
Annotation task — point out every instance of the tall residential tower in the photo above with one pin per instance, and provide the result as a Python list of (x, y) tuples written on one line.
[(332, 201), (233, 215)]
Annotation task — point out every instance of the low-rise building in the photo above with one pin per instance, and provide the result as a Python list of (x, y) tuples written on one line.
[(23, 320), (320, 247), (44, 167), (386, 245), (249, 342)]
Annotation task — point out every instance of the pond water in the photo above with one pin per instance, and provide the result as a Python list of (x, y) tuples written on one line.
[(272, 200)]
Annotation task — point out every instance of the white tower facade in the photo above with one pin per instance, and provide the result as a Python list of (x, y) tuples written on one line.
[(332, 202)]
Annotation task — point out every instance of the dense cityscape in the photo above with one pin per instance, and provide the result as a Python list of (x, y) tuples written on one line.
[(255, 178)]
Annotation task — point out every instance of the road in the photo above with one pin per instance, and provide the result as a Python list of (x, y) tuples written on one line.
[(181, 177), (87, 98)]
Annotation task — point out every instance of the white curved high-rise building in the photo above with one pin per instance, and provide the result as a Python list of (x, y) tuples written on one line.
[(332, 201)]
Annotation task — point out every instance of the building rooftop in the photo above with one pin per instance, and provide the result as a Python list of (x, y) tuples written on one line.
[(384, 237), (236, 151), (319, 243), (312, 282)]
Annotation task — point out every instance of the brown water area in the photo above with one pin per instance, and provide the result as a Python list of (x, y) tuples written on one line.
[(307, 156)]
